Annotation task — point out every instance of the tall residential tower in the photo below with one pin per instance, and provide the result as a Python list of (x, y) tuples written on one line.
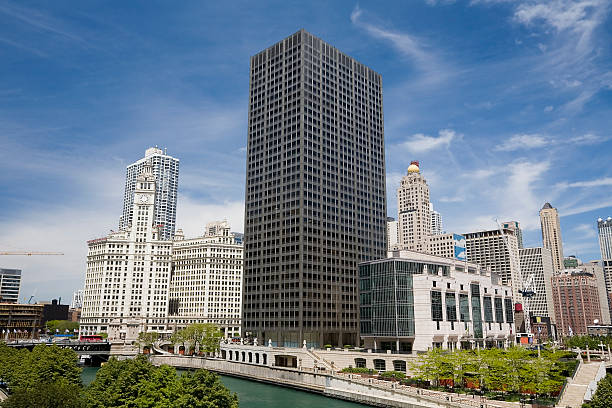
[(315, 191), (166, 172), (413, 205), (551, 234)]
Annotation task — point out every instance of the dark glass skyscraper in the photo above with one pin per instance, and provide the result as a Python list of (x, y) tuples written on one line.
[(315, 191)]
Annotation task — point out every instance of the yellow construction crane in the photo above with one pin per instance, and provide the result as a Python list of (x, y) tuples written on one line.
[(29, 253)]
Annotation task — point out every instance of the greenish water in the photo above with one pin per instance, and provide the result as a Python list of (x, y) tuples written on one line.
[(253, 394)]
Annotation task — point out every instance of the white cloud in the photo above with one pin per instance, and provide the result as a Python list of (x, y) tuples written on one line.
[(420, 143), (533, 141), (193, 215), (549, 108), (415, 49), (600, 182), (518, 198), (586, 231), (523, 141)]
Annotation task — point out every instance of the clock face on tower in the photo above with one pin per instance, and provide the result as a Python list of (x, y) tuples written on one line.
[(143, 199)]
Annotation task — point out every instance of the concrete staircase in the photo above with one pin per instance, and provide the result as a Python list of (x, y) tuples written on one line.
[(573, 395)]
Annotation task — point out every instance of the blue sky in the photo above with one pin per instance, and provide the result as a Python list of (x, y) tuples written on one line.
[(507, 104)]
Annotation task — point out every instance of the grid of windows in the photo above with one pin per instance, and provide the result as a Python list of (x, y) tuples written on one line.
[(451, 307), (315, 191), (436, 306), (499, 310)]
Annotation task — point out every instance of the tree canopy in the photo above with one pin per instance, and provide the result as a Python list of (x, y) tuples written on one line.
[(203, 336), (55, 326), (137, 383), (515, 370), (46, 377)]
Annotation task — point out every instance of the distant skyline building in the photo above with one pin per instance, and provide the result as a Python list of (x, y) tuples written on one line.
[(551, 234), (498, 250), (571, 261), (604, 229), (436, 221), (206, 283), (77, 299), (516, 226), (166, 172), (537, 262), (414, 214), (10, 285), (315, 200), (392, 233), (576, 300)]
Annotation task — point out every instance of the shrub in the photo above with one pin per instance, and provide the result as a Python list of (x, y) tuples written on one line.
[(348, 346), (357, 370), (396, 375), (327, 346)]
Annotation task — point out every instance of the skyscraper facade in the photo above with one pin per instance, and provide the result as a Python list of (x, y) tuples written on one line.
[(518, 232), (576, 300), (604, 229), (413, 205), (315, 191), (537, 269), (551, 234), (166, 172), (392, 233), (436, 221), (10, 284), (498, 250), (206, 283)]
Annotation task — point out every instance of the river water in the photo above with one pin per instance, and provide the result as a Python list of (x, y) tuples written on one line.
[(253, 394)]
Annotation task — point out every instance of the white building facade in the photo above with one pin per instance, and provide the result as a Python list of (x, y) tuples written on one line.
[(165, 169), (412, 301), (436, 221), (392, 233), (206, 285), (537, 266), (128, 273)]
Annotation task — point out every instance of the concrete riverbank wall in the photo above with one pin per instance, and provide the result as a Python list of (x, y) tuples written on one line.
[(352, 388)]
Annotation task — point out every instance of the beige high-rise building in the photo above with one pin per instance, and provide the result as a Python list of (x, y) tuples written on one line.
[(206, 283), (498, 250), (414, 215), (551, 234)]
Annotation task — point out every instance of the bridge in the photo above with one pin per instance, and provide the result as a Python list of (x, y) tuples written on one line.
[(82, 348)]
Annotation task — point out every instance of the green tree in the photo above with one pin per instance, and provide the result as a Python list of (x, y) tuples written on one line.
[(137, 383), (60, 326), (202, 336), (60, 394), (45, 377), (147, 339)]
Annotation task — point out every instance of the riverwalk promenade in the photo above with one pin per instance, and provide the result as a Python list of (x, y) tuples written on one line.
[(349, 387), (319, 371)]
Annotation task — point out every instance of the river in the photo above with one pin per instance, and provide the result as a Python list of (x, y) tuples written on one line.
[(253, 394)]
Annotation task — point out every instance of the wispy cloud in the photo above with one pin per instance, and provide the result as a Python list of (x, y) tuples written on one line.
[(533, 141), (524, 141), (410, 46), (420, 143), (600, 182)]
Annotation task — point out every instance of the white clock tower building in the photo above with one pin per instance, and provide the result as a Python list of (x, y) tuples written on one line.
[(128, 273)]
